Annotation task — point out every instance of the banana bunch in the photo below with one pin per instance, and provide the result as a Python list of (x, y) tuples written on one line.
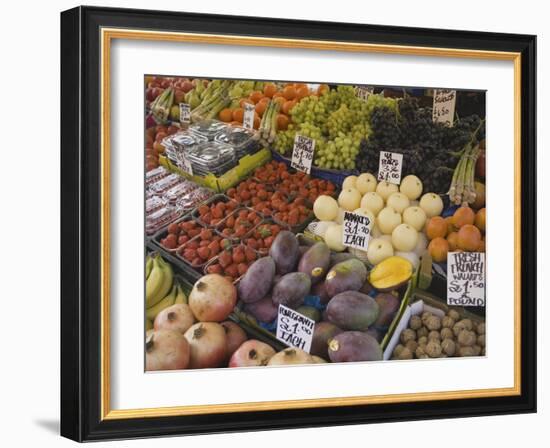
[(161, 291)]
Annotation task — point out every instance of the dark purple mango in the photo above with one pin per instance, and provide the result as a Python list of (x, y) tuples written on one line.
[(354, 346), (323, 332), (291, 289), (349, 275), (257, 281), (315, 262), (285, 252), (264, 310), (389, 305), (352, 310)]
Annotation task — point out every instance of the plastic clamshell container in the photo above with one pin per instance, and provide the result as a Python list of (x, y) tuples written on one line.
[(163, 185), (194, 198), (154, 203), (215, 260), (156, 174), (162, 233), (161, 218), (263, 251), (245, 141), (207, 128)]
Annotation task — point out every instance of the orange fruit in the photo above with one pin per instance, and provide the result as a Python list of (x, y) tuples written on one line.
[(438, 249), (322, 89), (245, 101), (226, 115), (289, 92), (282, 122), (436, 227), (260, 108), (287, 107), (235, 123), (256, 96), (480, 219), (256, 121), (278, 95), (481, 247), (469, 238), (450, 226), (452, 239), (280, 99), (238, 114), (302, 92), (463, 216), (270, 90)]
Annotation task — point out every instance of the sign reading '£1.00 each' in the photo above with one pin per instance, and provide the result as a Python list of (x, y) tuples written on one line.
[(248, 116), (466, 278), (302, 153), (390, 167), (444, 106), (357, 230), (294, 329), (185, 113)]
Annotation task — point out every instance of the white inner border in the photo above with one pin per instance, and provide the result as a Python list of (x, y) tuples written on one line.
[(132, 388)]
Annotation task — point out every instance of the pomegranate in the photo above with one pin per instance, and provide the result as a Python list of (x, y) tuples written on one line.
[(177, 317), (235, 336), (208, 345), (251, 353), (290, 356), (213, 298), (166, 350)]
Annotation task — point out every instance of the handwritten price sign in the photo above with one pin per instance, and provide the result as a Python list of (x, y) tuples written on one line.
[(444, 106), (302, 153), (390, 167), (357, 230), (248, 116), (294, 329), (466, 278), (363, 92), (185, 113)]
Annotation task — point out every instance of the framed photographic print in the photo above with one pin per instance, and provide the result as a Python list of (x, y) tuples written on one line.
[(275, 224)]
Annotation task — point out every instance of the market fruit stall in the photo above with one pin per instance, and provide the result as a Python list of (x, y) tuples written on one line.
[(292, 223)]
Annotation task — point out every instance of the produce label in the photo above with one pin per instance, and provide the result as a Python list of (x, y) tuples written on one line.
[(466, 278), (390, 166), (444, 106), (356, 232), (248, 116), (186, 166), (185, 113), (302, 153), (294, 329), (363, 92)]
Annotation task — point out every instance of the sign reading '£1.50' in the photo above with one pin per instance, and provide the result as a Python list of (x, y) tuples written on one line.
[(294, 329), (357, 230), (466, 278), (390, 167), (302, 153)]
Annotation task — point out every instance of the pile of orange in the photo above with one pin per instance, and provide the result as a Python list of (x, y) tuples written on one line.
[(462, 232), (287, 97)]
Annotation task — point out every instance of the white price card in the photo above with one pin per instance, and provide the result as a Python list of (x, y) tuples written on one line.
[(390, 167), (302, 153), (444, 106), (466, 278), (357, 230), (248, 116), (186, 166), (363, 92), (185, 113), (294, 329)]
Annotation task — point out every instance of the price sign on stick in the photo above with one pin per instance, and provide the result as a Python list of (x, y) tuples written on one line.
[(185, 165), (185, 113), (363, 92), (444, 106), (248, 116), (302, 153), (356, 232), (390, 167), (466, 278), (294, 329)]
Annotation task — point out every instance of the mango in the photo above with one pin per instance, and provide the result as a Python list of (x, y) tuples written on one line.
[(291, 289), (311, 312), (323, 332), (347, 275), (354, 346), (391, 273), (315, 262), (338, 257), (375, 333), (257, 281), (285, 252), (352, 310), (389, 305), (263, 310)]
